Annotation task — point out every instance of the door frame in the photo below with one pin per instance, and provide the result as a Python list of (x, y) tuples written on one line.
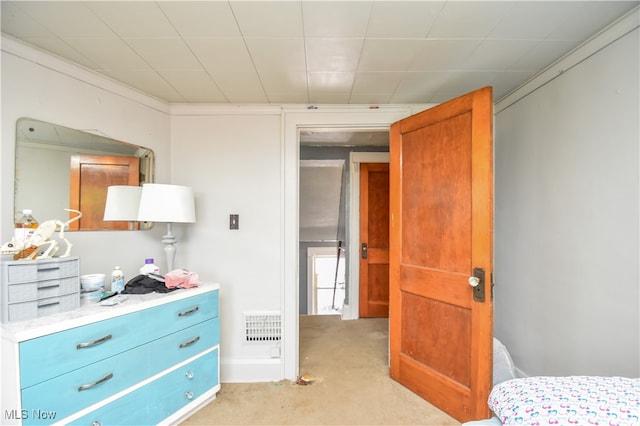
[(352, 310), (294, 120)]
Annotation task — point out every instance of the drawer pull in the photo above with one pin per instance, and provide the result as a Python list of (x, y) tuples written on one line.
[(189, 343), (189, 375), (48, 268), (94, 343), (189, 395), (190, 311), (57, 302), (40, 287), (96, 383), (96, 423)]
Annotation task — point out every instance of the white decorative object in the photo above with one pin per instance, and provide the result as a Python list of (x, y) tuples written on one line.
[(170, 204), (41, 237)]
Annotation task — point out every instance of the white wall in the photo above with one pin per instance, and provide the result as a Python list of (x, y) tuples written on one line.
[(233, 162), (566, 220)]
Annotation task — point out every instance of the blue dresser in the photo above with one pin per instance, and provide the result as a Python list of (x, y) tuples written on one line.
[(153, 359)]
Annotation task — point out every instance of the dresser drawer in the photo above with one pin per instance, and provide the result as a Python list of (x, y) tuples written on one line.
[(129, 410), (58, 353), (42, 289), (178, 388), (88, 385), (183, 313), (46, 269), (160, 398), (183, 344), (42, 307)]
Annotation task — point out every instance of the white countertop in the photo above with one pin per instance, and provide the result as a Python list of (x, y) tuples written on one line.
[(90, 312)]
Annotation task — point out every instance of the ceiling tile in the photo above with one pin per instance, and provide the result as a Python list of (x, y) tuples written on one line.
[(107, 52), (147, 81), (336, 18), (134, 18), (17, 23), (283, 18), (469, 19), (195, 85), (277, 54), (388, 54), (222, 54), (418, 87), (410, 19), (201, 18), (377, 82), (330, 81), (497, 55), (436, 55), (333, 54), (66, 18), (590, 18), (164, 52), (240, 87), (62, 49), (532, 19)]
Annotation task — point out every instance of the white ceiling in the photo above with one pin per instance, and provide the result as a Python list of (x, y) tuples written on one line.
[(311, 52)]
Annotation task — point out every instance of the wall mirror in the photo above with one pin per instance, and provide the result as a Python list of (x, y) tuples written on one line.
[(59, 168)]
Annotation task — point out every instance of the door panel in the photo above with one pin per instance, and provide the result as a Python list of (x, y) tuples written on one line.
[(90, 177), (441, 203), (374, 232)]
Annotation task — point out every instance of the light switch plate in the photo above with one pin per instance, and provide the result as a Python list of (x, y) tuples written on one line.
[(234, 221)]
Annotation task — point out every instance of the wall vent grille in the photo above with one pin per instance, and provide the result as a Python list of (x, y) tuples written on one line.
[(263, 326)]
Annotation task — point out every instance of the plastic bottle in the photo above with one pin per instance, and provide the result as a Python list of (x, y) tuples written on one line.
[(149, 267), (25, 226), (117, 280)]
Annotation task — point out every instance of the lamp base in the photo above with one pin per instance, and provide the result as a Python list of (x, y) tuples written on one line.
[(169, 241)]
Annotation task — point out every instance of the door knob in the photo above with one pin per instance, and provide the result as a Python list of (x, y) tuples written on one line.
[(364, 250), (474, 281)]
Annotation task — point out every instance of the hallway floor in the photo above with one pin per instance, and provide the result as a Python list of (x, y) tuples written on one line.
[(347, 362)]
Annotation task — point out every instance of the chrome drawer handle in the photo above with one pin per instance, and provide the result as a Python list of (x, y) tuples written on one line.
[(49, 304), (50, 285), (190, 311), (96, 423), (189, 395), (48, 268), (96, 383), (94, 343), (189, 375), (189, 343)]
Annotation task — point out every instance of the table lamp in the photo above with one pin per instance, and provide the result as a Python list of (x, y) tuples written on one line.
[(122, 204), (170, 204)]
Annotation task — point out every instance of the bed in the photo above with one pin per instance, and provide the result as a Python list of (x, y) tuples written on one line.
[(571, 400)]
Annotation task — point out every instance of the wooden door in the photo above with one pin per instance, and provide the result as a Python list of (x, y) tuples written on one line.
[(374, 240), (90, 177), (441, 187)]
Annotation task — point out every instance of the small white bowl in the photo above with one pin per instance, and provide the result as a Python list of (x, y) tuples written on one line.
[(92, 281), (92, 295)]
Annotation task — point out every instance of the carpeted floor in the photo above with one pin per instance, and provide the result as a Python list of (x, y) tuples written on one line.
[(347, 362)]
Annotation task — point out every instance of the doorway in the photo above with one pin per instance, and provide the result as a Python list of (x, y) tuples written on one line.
[(295, 124)]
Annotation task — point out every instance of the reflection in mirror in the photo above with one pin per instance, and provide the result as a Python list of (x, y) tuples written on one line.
[(60, 168)]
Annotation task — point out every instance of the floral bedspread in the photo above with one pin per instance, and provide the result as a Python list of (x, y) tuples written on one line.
[(573, 400)]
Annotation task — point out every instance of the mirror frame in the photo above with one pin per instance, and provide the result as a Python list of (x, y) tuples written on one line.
[(43, 154)]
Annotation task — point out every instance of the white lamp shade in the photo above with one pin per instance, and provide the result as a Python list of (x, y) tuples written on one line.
[(166, 203), (122, 203)]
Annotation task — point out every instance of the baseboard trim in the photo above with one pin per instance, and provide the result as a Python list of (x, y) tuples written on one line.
[(251, 370)]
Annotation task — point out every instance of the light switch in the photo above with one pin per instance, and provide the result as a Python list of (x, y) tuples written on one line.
[(234, 221)]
